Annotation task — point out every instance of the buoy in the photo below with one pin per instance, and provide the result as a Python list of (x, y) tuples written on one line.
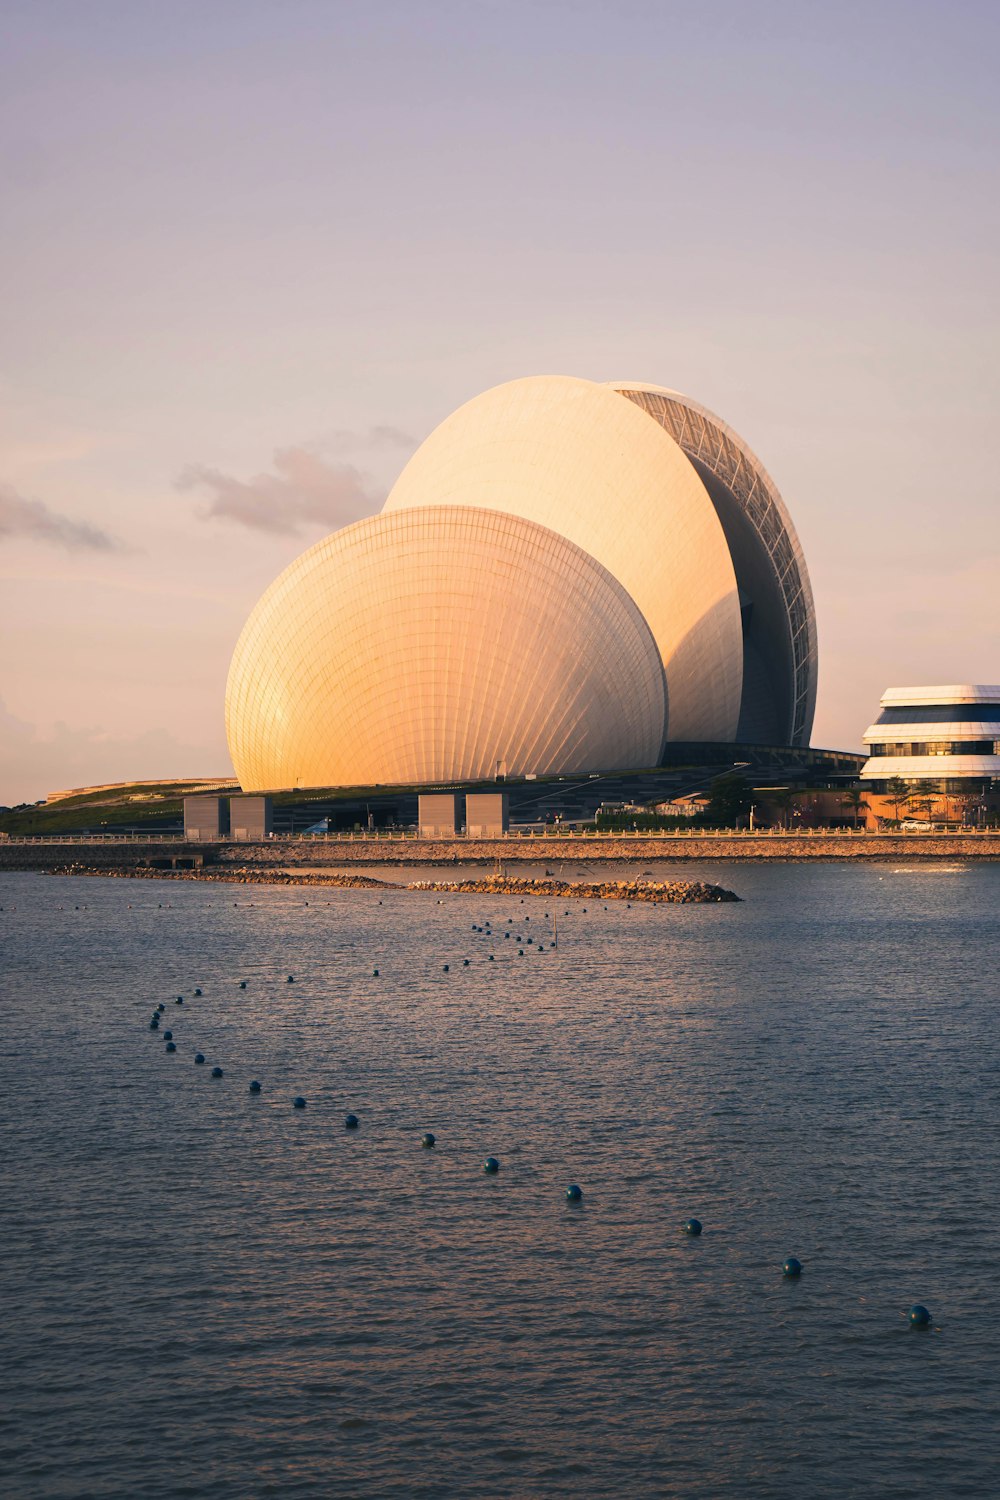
[(298, 1102), (792, 1268), (465, 963), (574, 1193), (291, 979), (161, 1006), (171, 1047), (216, 1072), (168, 1036), (180, 1000), (374, 973), (427, 1140), (445, 970), (491, 1165), (199, 1057), (351, 1122), (197, 992), (254, 1086), (520, 952), (243, 984), (693, 1227), (919, 1316), (154, 1024), (491, 958)]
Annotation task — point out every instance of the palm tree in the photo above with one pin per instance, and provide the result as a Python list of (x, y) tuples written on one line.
[(854, 798), (782, 798)]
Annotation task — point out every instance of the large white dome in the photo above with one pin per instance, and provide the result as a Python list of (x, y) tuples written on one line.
[(576, 457), (438, 644)]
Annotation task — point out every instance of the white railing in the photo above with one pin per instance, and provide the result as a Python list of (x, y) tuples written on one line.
[(377, 836)]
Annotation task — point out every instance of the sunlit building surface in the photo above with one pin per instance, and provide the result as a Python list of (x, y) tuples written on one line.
[(565, 577), (942, 739)]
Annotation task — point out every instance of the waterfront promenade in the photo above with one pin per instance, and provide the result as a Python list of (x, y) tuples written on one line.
[(123, 852)]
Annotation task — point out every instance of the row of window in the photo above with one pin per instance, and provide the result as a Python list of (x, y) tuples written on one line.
[(942, 713), (939, 747)]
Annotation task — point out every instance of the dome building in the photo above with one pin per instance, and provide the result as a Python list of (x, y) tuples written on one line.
[(565, 577)]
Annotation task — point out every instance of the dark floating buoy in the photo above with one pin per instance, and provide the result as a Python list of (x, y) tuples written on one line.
[(161, 1006), (792, 1268), (254, 1086), (199, 1057), (351, 1122), (491, 958), (445, 969), (491, 1166), (520, 952), (298, 1102), (154, 1024), (179, 1000), (290, 979), (197, 992), (465, 963), (919, 1316), (374, 973), (692, 1227), (243, 984), (171, 1047), (427, 1140), (168, 1036), (574, 1193), (216, 1072)]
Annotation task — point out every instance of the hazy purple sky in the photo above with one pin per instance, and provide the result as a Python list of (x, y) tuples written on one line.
[(252, 252)]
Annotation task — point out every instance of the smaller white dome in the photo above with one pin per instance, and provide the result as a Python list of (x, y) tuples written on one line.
[(438, 644)]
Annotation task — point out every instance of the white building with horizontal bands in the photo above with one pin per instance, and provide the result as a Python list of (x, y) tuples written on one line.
[(940, 739)]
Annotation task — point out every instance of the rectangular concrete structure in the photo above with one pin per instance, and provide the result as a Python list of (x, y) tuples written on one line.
[(250, 817), (438, 815), (487, 814), (206, 817)]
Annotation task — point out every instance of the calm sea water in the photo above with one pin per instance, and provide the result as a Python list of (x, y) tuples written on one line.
[(209, 1293)]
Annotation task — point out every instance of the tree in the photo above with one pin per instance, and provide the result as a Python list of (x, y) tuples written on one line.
[(728, 801), (782, 798), (898, 793), (923, 802), (854, 798)]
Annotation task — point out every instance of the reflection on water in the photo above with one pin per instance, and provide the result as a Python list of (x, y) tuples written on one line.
[(209, 1292)]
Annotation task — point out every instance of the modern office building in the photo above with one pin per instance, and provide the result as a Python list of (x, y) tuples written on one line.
[(565, 578), (942, 740)]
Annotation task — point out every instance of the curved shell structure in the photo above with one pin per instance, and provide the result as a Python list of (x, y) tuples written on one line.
[(442, 643)]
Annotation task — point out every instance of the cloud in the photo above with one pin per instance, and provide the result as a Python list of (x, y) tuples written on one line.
[(380, 438), (33, 519), (304, 490)]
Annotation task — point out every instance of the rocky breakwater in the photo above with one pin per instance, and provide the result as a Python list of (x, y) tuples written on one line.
[(678, 892)]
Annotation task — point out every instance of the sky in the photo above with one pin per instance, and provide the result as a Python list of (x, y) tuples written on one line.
[(252, 253)]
